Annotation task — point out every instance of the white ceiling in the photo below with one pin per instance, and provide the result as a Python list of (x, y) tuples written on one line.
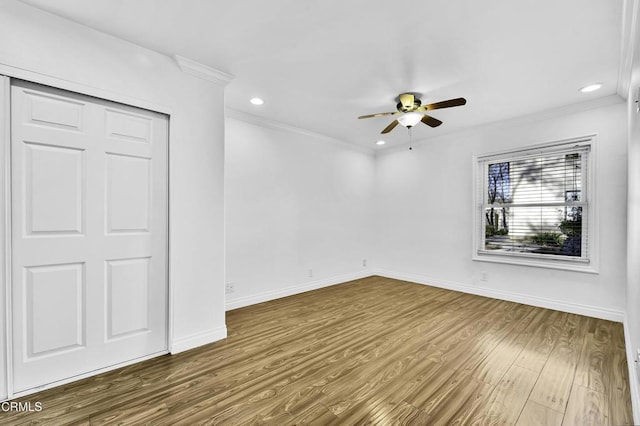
[(320, 64)]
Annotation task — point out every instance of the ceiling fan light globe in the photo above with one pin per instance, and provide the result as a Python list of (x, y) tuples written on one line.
[(410, 119)]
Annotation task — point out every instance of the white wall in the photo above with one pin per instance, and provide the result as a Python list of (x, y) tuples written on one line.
[(633, 239), (294, 202), (51, 50), (425, 208)]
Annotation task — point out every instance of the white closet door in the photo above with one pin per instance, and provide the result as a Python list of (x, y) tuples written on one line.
[(89, 234)]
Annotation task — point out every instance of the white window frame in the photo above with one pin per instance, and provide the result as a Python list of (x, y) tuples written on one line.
[(587, 264)]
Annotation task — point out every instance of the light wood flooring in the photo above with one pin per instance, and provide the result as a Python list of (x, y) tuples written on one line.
[(372, 351)]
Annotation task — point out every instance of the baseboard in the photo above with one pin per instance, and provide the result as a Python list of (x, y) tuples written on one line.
[(198, 339), (633, 378), (291, 290), (573, 308)]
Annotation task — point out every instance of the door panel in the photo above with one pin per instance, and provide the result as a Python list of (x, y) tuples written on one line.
[(128, 193), (89, 243), (55, 308), (54, 112), (127, 298), (54, 178), (129, 127)]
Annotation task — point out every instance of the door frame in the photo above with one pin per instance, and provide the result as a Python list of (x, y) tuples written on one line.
[(5, 236), (6, 332)]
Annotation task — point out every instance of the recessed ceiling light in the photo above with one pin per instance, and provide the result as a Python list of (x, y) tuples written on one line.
[(380, 143), (591, 88), (256, 101)]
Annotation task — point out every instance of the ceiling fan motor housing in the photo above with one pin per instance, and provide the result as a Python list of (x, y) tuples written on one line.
[(402, 108)]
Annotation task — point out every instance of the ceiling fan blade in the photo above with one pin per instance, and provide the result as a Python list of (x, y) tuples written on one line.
[(407, 100), (446, 104), (390, 127), (430, 121), (380, 114)]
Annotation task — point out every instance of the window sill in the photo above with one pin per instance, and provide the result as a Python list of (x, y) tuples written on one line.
[(567, 265)]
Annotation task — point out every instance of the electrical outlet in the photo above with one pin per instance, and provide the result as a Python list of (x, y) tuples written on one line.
[(230, 288), (484, 276), (364, 263), (310, 273)]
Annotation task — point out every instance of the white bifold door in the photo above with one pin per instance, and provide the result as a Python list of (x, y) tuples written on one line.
[(89, 234)]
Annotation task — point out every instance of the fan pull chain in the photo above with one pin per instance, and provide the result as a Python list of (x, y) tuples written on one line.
[(410, 139)]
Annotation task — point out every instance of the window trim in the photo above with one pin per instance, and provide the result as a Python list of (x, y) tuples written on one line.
[(479, 162)]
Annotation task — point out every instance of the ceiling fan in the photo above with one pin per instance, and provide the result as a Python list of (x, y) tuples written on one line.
[(411, 111)]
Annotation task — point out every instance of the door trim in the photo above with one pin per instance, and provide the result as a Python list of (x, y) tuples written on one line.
[(8, 72), (5, 237), (83, 89)]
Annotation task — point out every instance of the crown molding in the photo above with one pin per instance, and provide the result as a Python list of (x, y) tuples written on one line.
[(196, 69), (273, 124), (630, 33), (573, 108)]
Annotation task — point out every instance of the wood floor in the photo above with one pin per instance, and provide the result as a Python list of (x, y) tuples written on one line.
[(372, 351)]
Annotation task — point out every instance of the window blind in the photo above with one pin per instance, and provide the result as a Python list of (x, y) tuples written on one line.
[(536, 203)]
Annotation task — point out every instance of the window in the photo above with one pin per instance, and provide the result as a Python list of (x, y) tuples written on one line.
[(534, 206)]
